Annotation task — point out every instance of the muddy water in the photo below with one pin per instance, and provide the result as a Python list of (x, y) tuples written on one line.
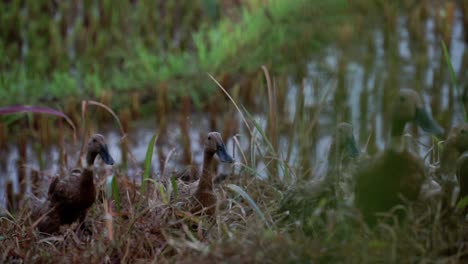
[(359, 78)]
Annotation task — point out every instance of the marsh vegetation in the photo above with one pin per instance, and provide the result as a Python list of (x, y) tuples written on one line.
[(273, 77)]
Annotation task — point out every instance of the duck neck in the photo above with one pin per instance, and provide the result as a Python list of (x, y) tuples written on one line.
[(448, 157), (206, 179), (90, 157), (334, 156), (396, 136), (87, 179)]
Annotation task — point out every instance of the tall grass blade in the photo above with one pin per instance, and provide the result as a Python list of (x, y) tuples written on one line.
[(453, 77), (91, 102), (260, 130), (234, 102), (252, 203), (149, 155)]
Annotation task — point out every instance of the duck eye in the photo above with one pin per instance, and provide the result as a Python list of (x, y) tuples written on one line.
[(94, 140), (209, 137), (402, 99)]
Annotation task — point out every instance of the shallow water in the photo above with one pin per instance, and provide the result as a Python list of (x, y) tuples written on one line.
[(359, 76)]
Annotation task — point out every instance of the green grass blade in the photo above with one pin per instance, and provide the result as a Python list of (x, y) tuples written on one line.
[(260, 130), (163, 193), (112, 191), (247, 197), (453, 76), (148, 157), (175, 187)]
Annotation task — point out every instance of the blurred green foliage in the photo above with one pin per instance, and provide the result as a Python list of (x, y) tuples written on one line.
[(54, 49)]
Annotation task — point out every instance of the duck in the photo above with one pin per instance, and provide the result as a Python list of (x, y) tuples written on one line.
[(395, 173), (462, 176), (301, 200), (454, 147), (204, 199), (343, 151), (70, 196)]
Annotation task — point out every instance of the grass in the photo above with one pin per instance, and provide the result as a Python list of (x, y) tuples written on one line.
[(255, 223), (150, 221)]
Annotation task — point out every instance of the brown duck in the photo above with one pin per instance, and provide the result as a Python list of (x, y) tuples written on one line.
[(462, 175), (205, 199), (70, 196), (455, 145), (343, 148), (395, 172), (303, 198)]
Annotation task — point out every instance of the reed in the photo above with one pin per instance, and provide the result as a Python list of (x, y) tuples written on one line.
[(35, 182), (3, 136), (21, 163), (184, 119), (10, 197), (125, 117), (135, 105)]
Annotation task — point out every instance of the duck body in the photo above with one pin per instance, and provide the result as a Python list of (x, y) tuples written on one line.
[(70, 196), (462, 176), (450, 158), (395, 175), (72, 202), (302, 199), (382, 183)]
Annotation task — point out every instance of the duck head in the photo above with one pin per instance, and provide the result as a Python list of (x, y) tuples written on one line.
[(455, 145), (98, 146), (214, 145), (409, 107), (458, 137), (344, 138)]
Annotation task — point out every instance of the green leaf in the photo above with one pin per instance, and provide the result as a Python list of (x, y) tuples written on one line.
[(463, 203), (175, 188), (453, 76), (112, 191), (247, 197), (163, 193), (148, 157)]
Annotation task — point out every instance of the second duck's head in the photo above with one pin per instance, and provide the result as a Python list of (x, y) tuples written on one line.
[(214, 145), (98, 146), (459, 137), (409, 107), (345, 141)]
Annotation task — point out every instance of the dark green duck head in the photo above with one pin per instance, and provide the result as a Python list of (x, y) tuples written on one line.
[(409, 107), (345, 141), (343, 147), (455, 145)]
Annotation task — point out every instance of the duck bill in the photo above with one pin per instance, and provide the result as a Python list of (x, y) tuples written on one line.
[(425, 121), (105, 156), (351, 147), (223, 155)]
